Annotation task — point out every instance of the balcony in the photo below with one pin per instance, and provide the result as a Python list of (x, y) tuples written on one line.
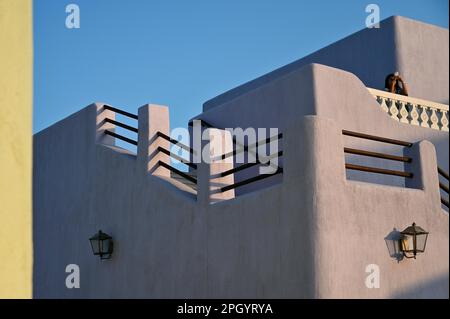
[(405, 109)]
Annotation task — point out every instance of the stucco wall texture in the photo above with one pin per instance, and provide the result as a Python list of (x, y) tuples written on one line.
[(15, 148), (334, 94), (311, 235)]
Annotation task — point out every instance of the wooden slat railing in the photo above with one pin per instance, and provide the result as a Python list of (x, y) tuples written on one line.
[(443, 173), (247, 165), (176, 157), (251, 180), (404, 159), (242, 148), (116, 110), (178, 172), (444, 187), (175, 142), (254, 146), (122, 125), (376, 170), (376, 138), (239, 148), (121, 137)]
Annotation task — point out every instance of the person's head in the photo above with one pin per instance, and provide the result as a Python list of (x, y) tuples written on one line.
[(389, 81)]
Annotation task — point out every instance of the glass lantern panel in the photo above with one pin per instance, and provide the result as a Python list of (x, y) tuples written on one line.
[(95, 246), (105, 246), (407, 243), (421, 241)]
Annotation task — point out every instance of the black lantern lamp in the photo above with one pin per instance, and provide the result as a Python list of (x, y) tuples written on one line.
[(413, 240), (102, 245)]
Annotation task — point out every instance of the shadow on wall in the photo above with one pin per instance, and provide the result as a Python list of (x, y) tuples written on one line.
[(393, 245), (435, 287)]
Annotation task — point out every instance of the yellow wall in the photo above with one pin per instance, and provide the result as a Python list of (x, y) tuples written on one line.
[(16, 54)]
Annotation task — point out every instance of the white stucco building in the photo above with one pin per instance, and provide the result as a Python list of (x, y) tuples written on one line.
[(357, 165)]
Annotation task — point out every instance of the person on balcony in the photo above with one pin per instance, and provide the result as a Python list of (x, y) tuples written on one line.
[(395, 84)]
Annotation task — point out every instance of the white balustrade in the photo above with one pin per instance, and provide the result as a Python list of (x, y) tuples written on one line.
[(405, 109)]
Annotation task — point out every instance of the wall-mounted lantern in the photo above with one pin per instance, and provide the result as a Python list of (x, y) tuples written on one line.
[(102, 245), (413, 240)]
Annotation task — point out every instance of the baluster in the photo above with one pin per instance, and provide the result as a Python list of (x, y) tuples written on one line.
[(424, 117), (403, 114), (413, 114), (393, 110), (434, 119), (444, 120), (382, 102)]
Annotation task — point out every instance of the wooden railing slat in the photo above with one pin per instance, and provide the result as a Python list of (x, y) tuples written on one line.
[(125, 126), (443, 173), (251, 180), (376, 138), (178, 158), (378, 170), (116, 110), (377, 155), (120, 137), (178, 172)]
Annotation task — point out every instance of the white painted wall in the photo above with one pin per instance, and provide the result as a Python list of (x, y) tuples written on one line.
[(310, 236)]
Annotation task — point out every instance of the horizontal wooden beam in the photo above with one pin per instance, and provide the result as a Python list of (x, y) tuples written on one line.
[(125, 126), (376, 138), (120, 137), (444, 201), (443, 173), (444, 187), (175, 156), (378, 170), (248, 165), (378, 155), (116, 110), (175, 142), (178, 172), (251, 180)]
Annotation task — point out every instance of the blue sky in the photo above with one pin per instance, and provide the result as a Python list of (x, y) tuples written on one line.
[(182, 53)]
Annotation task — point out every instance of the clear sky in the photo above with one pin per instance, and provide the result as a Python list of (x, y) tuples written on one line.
[(182, 53)]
